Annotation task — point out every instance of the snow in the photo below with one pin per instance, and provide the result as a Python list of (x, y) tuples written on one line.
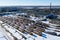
[(3, 38), (47, 22), (14, 32), (19, 34), (51, 37), (22, 39), (1, 22), (21, 14), (3, 35), (34, 18)]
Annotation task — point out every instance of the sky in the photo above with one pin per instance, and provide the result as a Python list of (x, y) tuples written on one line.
[(28, 2)]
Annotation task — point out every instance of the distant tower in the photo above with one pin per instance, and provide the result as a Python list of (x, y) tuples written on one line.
[(51, 15), (50, 8)]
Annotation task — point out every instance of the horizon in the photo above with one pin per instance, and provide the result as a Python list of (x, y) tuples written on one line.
[(29, 2)]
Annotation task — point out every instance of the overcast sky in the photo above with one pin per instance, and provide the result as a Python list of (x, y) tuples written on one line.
[(28, 2)]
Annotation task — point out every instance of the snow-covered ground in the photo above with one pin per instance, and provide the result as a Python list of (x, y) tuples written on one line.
[(19, 35), (47, 22), (52, 27), (51, 37), (3, 35)]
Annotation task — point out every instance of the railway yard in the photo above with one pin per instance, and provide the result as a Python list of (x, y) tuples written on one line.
[(23, 27)]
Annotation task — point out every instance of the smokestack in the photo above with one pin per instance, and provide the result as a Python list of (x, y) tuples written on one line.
[(50, 7)]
